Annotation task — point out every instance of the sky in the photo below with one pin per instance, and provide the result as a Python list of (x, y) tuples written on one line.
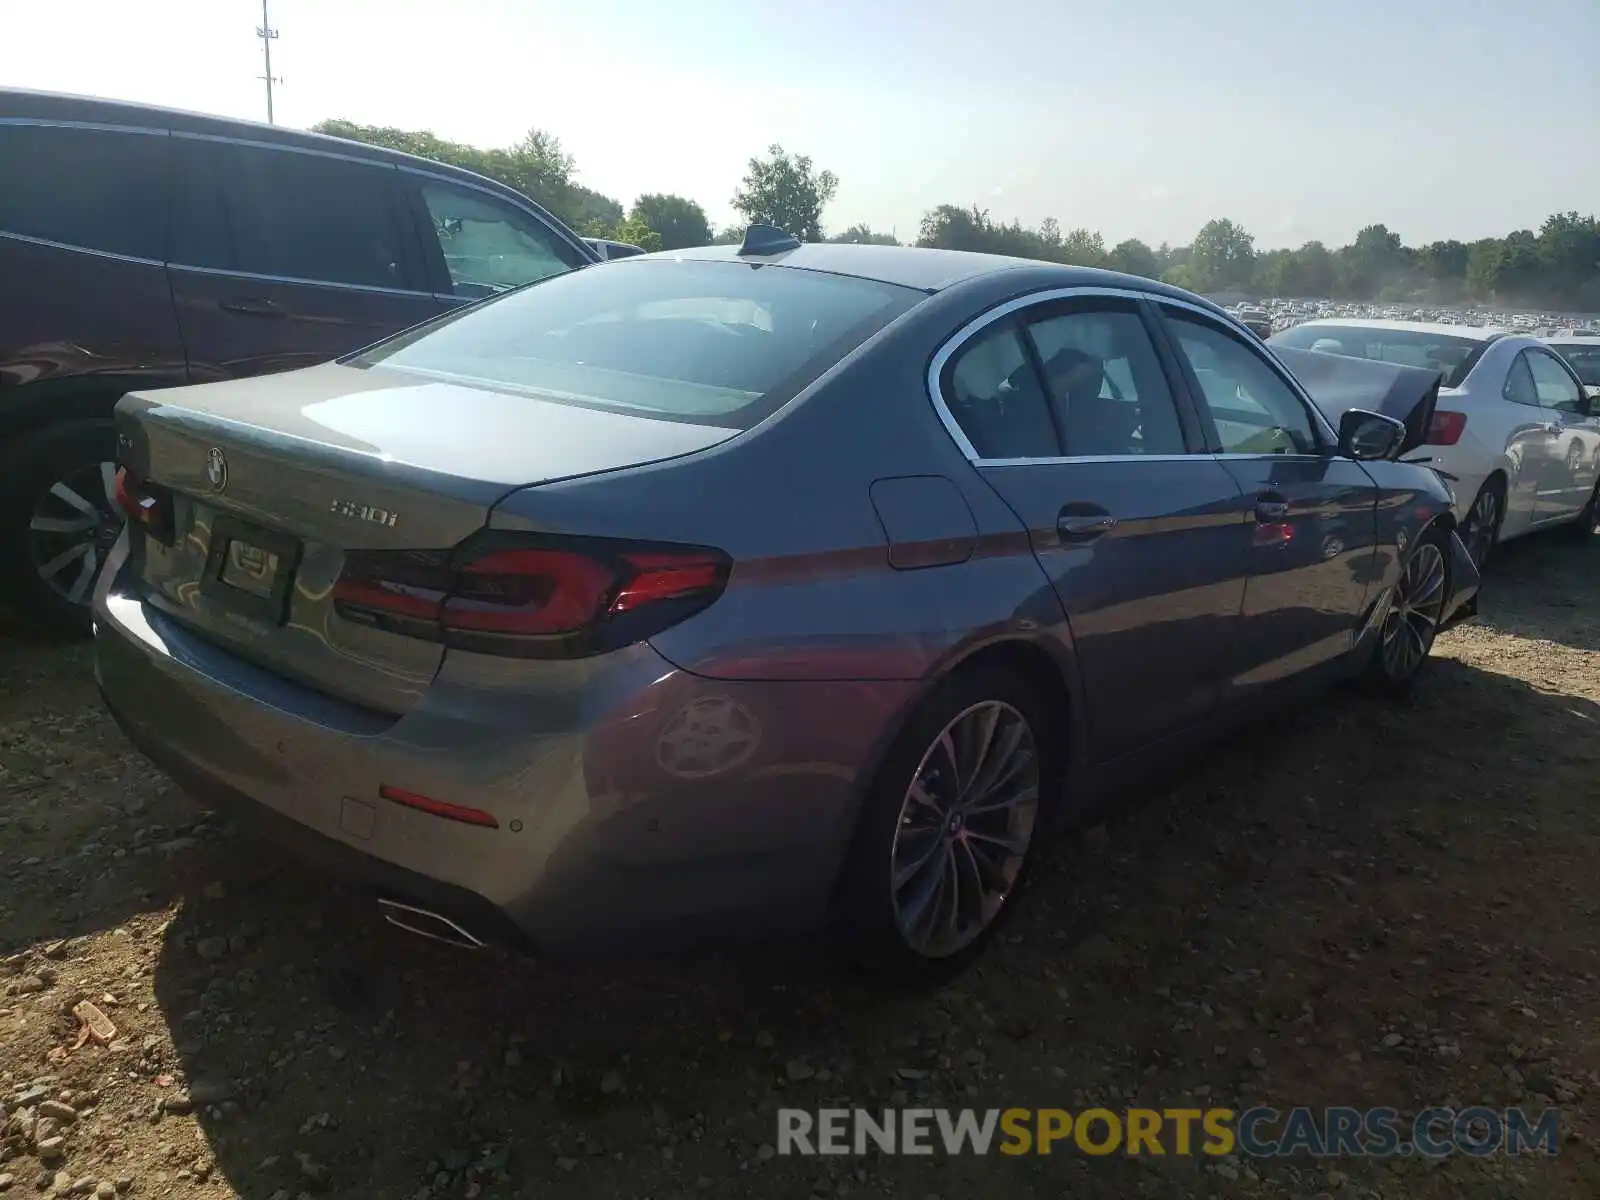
[(1141, 118)]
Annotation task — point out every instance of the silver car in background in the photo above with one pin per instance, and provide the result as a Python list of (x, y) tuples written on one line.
[(750, 589)]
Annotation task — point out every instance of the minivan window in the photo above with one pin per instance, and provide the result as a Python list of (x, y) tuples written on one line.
[(100, 189), (712, 343), (489, 245), (261, 210)]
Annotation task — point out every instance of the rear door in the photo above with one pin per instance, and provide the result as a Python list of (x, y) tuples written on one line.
[(1575, 446), (1069, 414), (1312, 516), (282, 257)]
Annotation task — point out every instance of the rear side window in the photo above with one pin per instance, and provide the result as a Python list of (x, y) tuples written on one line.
[(713, 343), (1554, 386), (994, 394), (291, 215), (99, 189), (1519, 386)]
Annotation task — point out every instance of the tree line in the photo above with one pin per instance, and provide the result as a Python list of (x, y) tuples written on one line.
[(1557, 267)]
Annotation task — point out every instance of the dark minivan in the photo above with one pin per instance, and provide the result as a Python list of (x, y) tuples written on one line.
[(141, 247)]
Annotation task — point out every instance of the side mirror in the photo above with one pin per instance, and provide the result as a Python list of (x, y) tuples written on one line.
[(1369, 436)]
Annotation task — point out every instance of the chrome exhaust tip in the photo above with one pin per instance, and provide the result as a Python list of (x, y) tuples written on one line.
[(424, 923)]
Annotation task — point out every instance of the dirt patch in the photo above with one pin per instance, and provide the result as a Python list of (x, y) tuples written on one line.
[(1366, 904)]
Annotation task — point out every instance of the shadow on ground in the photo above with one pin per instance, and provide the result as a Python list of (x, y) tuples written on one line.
[(1250, 936)]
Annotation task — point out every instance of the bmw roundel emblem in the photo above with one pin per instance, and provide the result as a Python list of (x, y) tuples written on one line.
[(216, 469)]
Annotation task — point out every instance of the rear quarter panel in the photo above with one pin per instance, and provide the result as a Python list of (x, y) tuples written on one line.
[(78, 329), (813, 594)]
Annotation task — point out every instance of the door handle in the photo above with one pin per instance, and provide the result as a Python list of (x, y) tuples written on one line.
[(251, 307), (1271, 508), (1083, 526)]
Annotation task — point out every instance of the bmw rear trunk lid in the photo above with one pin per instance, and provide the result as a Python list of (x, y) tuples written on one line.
[(259, 490)]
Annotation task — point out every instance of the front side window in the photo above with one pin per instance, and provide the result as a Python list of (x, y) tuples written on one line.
[(290, 215), (489, 245), (1519, 386), (1105, 383), (1556, 389), (712, 343), (99, 189), (1254, 410)]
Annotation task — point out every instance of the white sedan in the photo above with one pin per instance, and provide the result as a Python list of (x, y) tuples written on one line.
[(1514, 428)]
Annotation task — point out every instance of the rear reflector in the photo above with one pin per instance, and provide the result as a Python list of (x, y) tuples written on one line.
[(530, 597), (439, 808), (1446, 427), (144, 503)]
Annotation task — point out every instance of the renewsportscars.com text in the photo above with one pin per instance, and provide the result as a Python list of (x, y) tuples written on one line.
[(1256, 1132)]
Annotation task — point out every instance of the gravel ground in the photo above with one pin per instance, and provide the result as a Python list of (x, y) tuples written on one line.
[(1369, 904)]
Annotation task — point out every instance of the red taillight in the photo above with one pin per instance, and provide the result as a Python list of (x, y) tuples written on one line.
[(439, 808), (134, 499), (1446, 427), (541, 600)]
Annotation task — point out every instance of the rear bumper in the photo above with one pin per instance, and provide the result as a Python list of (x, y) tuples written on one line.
[(617, 828)]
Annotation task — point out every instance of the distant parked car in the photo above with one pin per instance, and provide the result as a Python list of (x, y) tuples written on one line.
[(607, 249), (680, 598), (141, 247), (1513, 426), (1257, 320)]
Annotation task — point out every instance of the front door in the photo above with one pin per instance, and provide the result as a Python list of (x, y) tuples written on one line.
[(1312, 515), (282, 258), (1575, 446), (1073, 422)]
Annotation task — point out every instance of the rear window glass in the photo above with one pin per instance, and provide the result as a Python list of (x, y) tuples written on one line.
[(1452, 357), (1582, 357), (711, 343)]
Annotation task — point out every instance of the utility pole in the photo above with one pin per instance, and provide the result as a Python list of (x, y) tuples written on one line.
[(267, 34)]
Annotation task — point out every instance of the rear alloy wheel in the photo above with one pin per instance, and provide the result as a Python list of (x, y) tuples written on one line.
[(1415, 610), (948, 829), (58, 523), (1481, 529), (1582, 529)]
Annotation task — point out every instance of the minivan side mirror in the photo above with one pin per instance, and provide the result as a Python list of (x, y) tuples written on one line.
[(1369, 436)]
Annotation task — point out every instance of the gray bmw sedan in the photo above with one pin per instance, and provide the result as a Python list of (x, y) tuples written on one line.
[(749, 589)]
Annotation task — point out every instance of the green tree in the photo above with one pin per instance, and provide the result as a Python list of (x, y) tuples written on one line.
[(1082, 248), (536, 166), (1222, 256), (862, 234), (1133, 257), (786, 191), (679, 222)]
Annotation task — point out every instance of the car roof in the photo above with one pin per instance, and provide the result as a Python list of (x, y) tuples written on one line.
[(922, 268), (1477, 333), (62, 106)]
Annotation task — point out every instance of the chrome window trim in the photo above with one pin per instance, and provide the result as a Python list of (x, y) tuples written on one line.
[(321, 283), (94, 126), (255, 144), (76, 249), (956, 341)]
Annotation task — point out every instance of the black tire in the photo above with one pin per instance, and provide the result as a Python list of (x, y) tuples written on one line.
[(870, 927), (1480, 542), (1392, 670), (71, 453), (1581, 530)]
